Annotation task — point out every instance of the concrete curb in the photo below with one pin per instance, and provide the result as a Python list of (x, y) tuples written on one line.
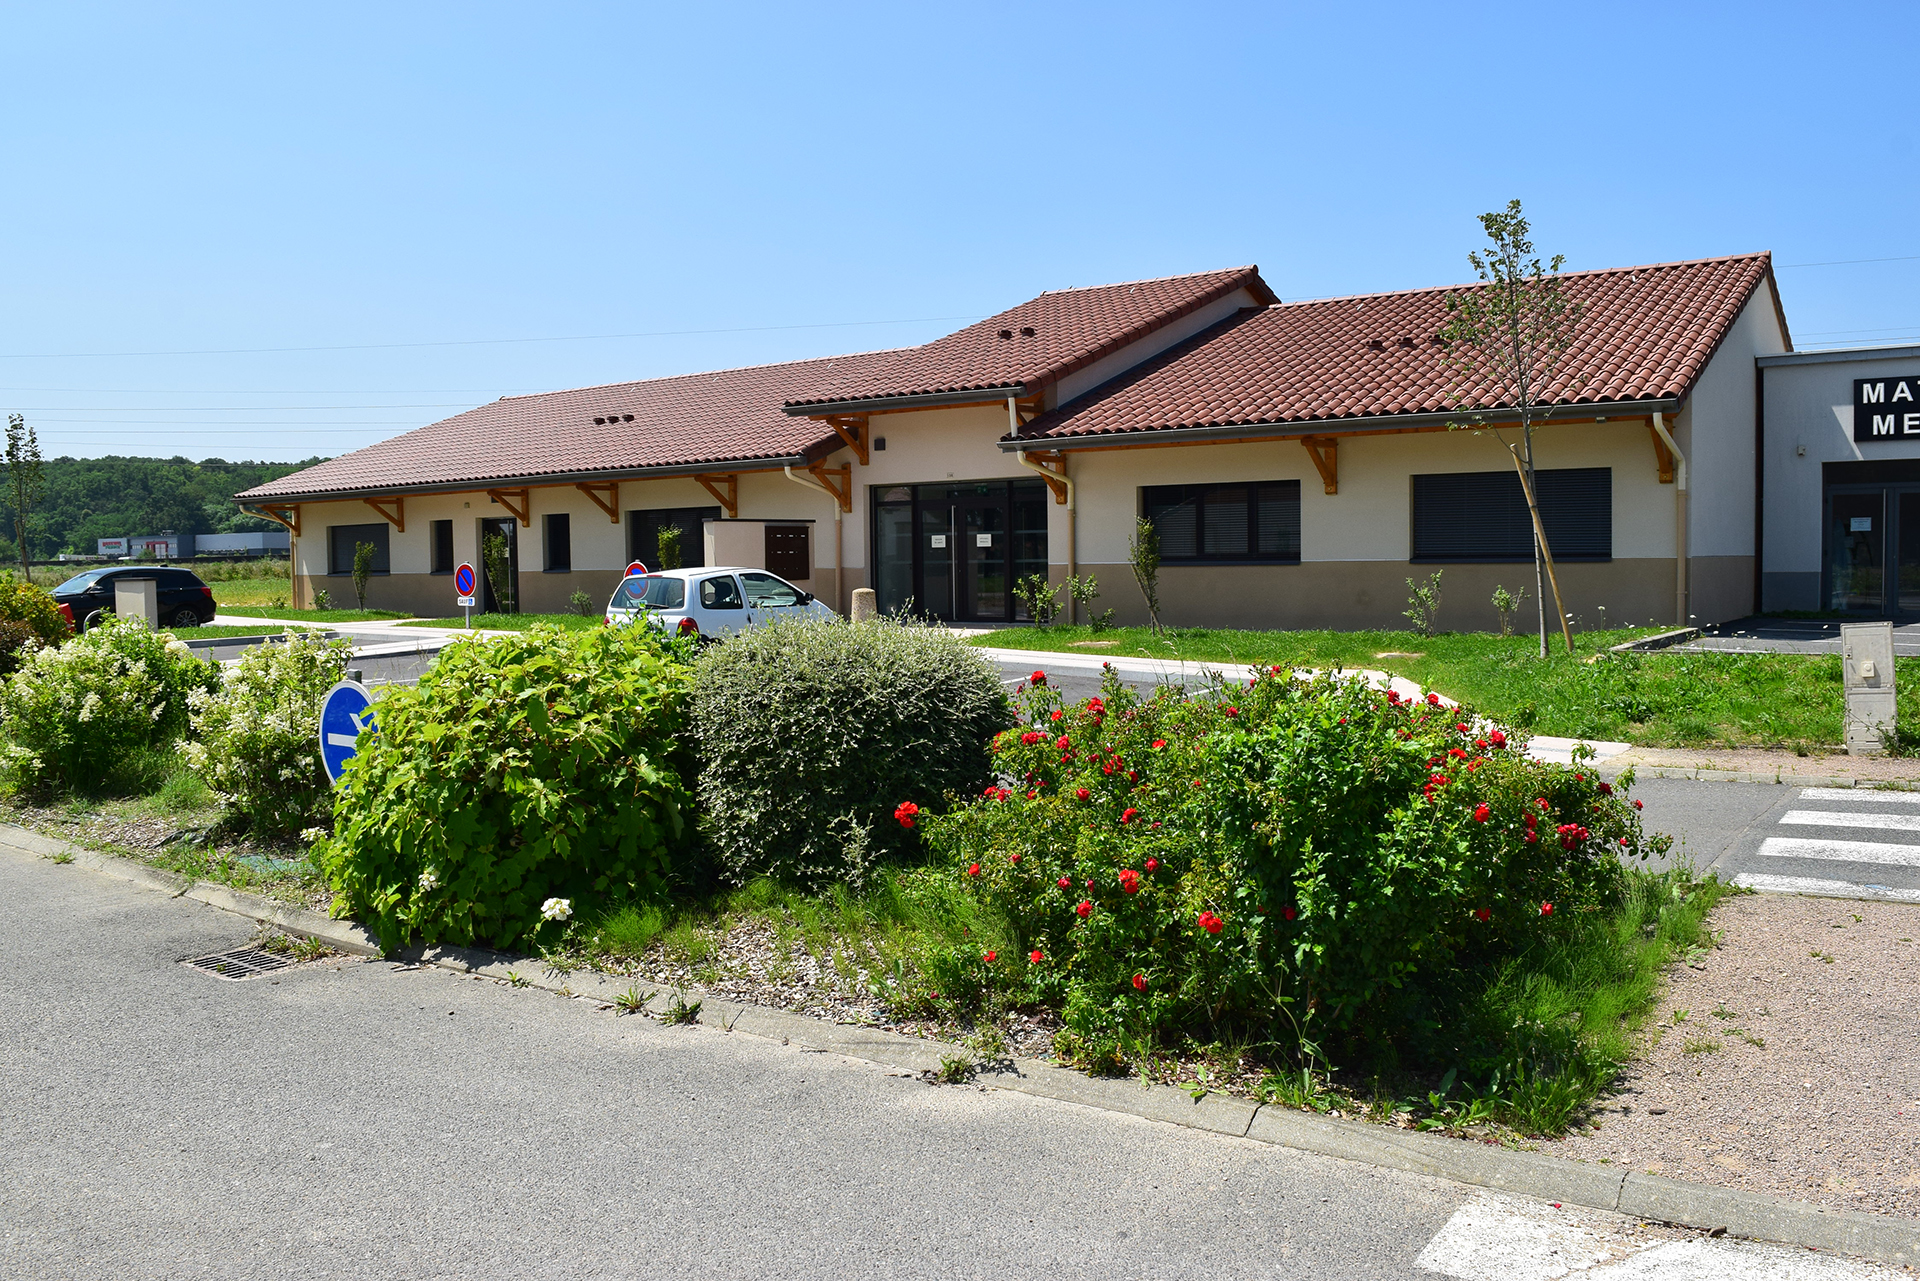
[(1647, 644), (1753, 1215), (1779, 778)]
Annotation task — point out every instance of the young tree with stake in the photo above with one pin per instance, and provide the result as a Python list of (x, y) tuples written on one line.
[(26, 483), (1506, 341)]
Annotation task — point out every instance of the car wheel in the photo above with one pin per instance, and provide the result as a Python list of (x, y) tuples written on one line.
[(93, 619), (186, 617)]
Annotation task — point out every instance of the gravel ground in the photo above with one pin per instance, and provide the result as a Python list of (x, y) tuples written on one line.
[(1827, 1110)]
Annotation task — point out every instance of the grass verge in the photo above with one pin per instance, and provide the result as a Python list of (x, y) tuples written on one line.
[(312, 615), (219, 630), (1658, 699)]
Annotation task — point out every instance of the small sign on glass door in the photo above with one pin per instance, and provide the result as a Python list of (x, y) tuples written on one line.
[(983, 540), (1860, 525), (939, 540)]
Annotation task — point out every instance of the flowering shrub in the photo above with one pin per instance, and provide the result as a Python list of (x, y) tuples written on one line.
[(821, 742), (77, 715), (526, 779), (255, 742), (1280, 861), (29, 617)]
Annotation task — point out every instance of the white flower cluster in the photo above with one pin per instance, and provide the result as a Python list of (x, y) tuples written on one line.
[(556, 909), (430, 880)]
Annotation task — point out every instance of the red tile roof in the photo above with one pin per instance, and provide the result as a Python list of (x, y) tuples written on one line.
[(1646, 334), (694, 421), (1047, 339)]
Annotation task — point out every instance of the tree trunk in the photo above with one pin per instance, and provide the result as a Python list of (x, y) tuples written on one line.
[(1543, 556)]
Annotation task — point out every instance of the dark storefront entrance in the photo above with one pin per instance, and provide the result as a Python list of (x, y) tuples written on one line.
[(954, 551), (1872, 526)]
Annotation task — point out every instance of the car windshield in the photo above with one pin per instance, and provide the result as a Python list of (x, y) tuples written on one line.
[(653, 593), (80, 582)]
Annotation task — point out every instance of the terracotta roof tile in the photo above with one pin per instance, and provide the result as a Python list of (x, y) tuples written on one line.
[(1048, 338), (1647, 333), (722, 417)]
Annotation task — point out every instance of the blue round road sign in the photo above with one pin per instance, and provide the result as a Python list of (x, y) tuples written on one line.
[(463, 581), (346, 710)]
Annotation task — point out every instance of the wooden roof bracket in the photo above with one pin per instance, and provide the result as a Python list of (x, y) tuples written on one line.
[(1325, 452), (393, 509), (507, 497), (605, 496), (729, 499), (287, 514), (842, 492), (1052, 468), (1662, 455), (851, 428)]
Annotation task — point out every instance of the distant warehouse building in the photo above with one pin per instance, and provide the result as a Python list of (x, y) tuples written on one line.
[(1299, 461)]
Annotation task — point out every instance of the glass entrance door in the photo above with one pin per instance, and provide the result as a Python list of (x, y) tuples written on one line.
[(953, 551), (1856, 551)]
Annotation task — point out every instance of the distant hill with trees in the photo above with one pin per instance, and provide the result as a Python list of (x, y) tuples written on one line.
[(93, 498)]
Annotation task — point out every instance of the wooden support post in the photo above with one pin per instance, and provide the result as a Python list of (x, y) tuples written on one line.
[(852, 428), (393, 509), (508, 497), (605, 496), (1325, 452), (842, 492), (1664, 457), (287, 514), (729, 498), (1052, 469)]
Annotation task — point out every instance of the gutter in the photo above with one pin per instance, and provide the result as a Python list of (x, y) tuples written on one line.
[(839, 574), (1332, 426), (1073, 565), (481, 483), (1680, 593), (924, 400)]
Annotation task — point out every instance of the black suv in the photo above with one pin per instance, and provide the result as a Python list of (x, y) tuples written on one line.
[(185, 601)]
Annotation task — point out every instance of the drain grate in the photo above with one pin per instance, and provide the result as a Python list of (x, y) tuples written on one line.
[(241, 963)]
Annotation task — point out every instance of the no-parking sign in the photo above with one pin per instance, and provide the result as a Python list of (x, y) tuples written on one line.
[(636, 569), (463, 583), (345, 712)]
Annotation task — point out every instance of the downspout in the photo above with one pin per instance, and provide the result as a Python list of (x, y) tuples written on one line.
[(1073, 561), (839, 585), (1679, 520)]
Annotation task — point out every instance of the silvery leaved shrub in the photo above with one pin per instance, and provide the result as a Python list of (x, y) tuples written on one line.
[(523, 772), (255, 740), (812, 733), (79, 715)]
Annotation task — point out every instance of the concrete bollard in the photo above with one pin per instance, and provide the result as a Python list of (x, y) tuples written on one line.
[(137, 598), (1867, 678), (865, 604)]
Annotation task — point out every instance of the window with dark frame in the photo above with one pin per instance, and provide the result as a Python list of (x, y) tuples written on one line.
[(1255, 523), (559, 543), (643, 534), (442, 531), (342, 540), (1482, 516)]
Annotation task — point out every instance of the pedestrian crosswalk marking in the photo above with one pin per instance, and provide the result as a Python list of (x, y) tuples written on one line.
[(1841, 851), (1867, 794), (1847, 818), (1822, 888)]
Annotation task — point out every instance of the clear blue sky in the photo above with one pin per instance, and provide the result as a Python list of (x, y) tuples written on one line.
[(758, 183)]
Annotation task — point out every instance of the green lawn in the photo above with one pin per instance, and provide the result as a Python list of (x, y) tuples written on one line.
[(1659, 699), (310, 615), (512, 622), (223, 629)]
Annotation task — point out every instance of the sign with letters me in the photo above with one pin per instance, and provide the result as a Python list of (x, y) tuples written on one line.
[(1886, 408)]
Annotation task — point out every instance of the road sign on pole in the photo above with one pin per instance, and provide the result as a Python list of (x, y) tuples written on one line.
[(345, 712), (636, 568), (463, 584)]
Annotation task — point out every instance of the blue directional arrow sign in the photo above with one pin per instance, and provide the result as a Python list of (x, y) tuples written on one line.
[(344, 713)]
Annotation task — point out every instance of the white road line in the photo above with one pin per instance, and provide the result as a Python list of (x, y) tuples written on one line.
[(1818, 888), (1495, 1238), (1841, 851), (1871, 796), (1847, 818)]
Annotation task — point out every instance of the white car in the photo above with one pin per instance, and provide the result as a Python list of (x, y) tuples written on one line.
[(712, 602)]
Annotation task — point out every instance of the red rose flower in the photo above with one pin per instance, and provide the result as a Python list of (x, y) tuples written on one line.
[(1129, 880), (1085, 909), (1639, 805), (1482, 915), (1059, 715), (1033, 736), (1606, 789), (1288, 912), (990, 957), (973, 869), (1433, 700), (1038, 678), (1065, 882), (1159, 742), (1081, 794), (905, 812), (1063, 742), (1481, 814), (1497, 739), (1014, 858), (1129, 815), (1233, 711), (1211, 923), (1139, 982), (1463, 728), (1546, 909), (1035, 956), (1153, 864)]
